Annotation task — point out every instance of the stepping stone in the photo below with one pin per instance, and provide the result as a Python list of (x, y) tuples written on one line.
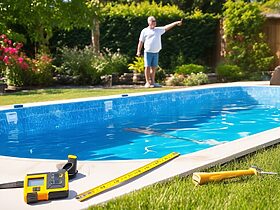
[(275, 79)]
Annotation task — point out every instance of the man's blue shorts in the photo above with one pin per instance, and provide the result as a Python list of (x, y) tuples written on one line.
[(150, 59)]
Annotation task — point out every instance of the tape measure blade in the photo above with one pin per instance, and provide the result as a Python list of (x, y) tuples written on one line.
[(113, 183)]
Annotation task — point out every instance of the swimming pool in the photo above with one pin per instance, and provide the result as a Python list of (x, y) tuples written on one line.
[(138, 126)]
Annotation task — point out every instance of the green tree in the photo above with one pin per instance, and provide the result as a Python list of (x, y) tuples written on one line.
[(41, 17), (245, 42), (271, 6)]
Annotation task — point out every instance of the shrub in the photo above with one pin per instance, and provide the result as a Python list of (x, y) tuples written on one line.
[(196, 79), (77, 64), (160, 75), (246, 45), (189, 68), (271, 6), (175, 80), (138, 65), (43, 70), (84, 67), (107, 63), (229, 73)]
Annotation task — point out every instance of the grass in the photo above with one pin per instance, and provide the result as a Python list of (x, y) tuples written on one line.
[(251, 192), (64, 93)]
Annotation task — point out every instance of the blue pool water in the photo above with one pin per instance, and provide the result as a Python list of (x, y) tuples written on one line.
[(138, 127)]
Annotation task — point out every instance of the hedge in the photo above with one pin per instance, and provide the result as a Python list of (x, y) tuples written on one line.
[(193, 42)]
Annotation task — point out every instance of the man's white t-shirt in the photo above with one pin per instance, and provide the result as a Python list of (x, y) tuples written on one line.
[(152, 39)]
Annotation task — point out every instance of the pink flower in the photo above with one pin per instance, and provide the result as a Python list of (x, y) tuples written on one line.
[(6, 49), (6, 59), (13, 50), (20, 59), (10, 50), (3, 36)]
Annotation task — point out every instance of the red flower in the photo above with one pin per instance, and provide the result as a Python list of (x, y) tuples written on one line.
[(6, 59), (24, 66), (20, 59)]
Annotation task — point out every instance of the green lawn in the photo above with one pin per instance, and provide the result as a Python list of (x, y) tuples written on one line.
[(65, 93), (253, 192)]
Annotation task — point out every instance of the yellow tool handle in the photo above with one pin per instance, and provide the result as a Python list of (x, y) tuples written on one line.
[(200, 178)]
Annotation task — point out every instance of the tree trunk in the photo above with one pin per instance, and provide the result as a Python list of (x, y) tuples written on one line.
[(95, 35), (43, 40)]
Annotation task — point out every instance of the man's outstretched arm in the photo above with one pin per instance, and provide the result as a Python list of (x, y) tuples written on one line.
[(171, 25)]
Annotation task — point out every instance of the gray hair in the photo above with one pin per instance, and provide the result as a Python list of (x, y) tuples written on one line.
[(150, 18)]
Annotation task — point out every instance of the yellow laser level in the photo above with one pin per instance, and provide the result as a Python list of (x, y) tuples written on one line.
[(46, 186)]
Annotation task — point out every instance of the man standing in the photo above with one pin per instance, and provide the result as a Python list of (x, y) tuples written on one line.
[(151, 38)]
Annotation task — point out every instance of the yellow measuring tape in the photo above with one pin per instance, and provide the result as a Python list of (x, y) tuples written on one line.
[(96, 190)]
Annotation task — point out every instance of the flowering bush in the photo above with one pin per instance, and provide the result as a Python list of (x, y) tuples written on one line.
[(21, 70), (196, 79), (13, 63), (192, 79), (175, 80), (42, 68)]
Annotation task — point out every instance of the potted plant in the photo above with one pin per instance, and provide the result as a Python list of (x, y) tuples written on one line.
[(138, 69)]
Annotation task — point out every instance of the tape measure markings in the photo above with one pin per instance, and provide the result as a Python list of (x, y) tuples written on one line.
[(96, 190)]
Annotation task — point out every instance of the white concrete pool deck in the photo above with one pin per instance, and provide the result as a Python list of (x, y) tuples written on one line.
[(94, 173)]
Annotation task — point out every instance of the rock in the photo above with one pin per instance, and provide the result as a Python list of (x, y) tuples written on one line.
[(138, 78), (106, 80), (275, 79), (2, 88)]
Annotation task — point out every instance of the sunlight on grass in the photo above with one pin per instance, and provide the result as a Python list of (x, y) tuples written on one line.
[(61, 94), (251, 192)]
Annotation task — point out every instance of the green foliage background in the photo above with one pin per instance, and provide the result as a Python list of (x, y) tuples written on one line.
[(121, 25), (246, 46)]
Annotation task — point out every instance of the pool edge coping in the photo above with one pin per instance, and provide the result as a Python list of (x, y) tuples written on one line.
[(109, 97)]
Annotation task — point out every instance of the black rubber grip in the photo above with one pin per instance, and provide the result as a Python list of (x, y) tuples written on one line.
[(18, 184)]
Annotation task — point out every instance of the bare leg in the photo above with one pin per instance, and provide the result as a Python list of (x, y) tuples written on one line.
[(153, 75), (147, 74)]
